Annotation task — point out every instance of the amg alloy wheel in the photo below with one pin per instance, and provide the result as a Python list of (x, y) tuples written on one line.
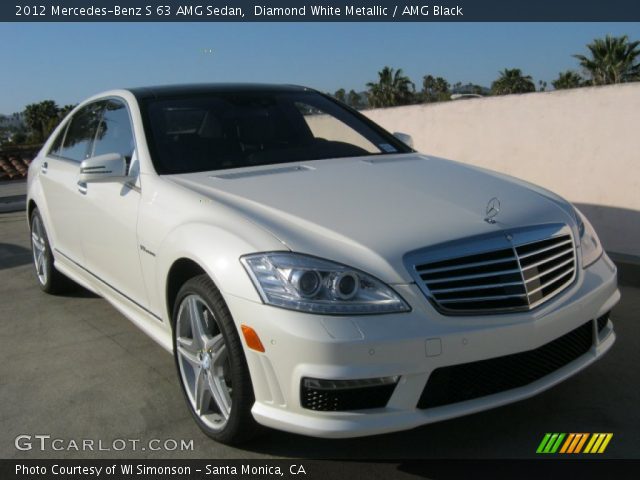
[(211, 364)]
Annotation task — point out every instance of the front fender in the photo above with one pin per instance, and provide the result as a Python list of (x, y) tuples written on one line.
[(217, 251)]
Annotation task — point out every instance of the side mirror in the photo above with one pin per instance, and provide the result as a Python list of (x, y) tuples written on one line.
[(404, 138), (109, 167)]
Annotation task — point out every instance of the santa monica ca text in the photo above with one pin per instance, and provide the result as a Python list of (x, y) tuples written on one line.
[(142, 469)]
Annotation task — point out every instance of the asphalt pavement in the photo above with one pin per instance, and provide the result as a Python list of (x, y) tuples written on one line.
[(13, 194), (75, 369)]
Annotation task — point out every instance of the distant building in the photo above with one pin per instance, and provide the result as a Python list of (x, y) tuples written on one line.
[(470, 88)]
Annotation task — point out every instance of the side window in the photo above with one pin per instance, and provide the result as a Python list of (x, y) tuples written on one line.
[(81, 132), (56, 146), (114, 134)]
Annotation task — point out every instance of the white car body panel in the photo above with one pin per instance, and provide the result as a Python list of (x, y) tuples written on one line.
[(362, 212), (373, 212)]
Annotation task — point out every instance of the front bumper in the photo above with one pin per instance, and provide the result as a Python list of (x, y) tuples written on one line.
[(411, 346)]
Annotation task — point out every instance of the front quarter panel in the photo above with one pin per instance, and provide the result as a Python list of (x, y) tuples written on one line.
[(176, 223)]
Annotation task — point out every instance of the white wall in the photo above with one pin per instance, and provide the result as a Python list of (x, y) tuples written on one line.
[(583, 144)]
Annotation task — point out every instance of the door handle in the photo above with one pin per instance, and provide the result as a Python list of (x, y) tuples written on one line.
[(44, 167), (82, 188)]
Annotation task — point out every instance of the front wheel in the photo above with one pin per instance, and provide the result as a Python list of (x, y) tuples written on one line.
[(210, 361)]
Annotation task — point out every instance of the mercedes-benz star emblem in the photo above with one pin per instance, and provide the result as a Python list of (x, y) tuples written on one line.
[(493, 208)]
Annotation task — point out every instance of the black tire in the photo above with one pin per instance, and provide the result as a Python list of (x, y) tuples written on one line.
[(52, 281), (240, 425)]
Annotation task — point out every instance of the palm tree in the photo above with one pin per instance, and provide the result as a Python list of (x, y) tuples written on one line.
[(63, 111), (393, 88), (435, 89), (568, 79), (340, 95), (512, 80), (41, 118), (613, 60), (353, 99)]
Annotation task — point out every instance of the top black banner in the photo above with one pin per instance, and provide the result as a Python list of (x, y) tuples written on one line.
[(320, 11)]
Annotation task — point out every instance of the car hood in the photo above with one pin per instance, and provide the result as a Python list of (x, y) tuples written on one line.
[(368, 212)]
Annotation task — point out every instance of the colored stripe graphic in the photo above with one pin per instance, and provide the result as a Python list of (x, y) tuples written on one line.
[(573, 443), (598, 442), (605, 443), (555, 447), (567, 443), (543, 443), (550, 443), (591, 442), (581, 443)]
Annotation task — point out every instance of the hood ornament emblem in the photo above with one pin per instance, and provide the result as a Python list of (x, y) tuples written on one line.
[(492, 210)]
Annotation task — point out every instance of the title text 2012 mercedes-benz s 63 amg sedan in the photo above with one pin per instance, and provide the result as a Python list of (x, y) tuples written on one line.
[(309, 271)]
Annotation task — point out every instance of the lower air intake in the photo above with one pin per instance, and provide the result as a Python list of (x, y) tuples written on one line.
[(468, 381), (343, 395)]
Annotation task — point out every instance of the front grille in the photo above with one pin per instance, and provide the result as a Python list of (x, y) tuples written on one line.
[(514, 277), (459, 383)]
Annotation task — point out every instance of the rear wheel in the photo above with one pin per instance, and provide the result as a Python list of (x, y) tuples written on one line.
[(49, 279), (210, 361)]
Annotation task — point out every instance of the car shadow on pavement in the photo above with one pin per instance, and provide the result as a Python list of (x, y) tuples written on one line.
[(77, 291)]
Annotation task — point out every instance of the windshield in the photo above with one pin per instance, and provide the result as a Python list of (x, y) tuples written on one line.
[(230, 130)]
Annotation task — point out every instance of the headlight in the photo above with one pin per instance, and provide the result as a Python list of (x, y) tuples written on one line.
[(589, 242), (309, 284)]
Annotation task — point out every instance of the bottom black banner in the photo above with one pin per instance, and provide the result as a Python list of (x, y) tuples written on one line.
[(315, 469)]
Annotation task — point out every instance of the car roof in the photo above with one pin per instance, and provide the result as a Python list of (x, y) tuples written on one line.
[(161, 91)]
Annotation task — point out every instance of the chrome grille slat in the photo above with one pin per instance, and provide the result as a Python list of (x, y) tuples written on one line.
[(482, 299), (553, 269), (536, 266), (542, 250), (478, 275), (478, 287), (547, 283), (546, 260), (552, 293), (467, 265)]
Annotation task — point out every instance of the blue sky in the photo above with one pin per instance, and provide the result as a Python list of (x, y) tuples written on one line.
[(68, 62)]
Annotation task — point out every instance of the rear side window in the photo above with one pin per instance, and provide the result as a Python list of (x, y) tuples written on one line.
[(114, 133), (81, 132)]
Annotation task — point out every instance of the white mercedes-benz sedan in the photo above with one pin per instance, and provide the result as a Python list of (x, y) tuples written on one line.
[(308, 270)]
